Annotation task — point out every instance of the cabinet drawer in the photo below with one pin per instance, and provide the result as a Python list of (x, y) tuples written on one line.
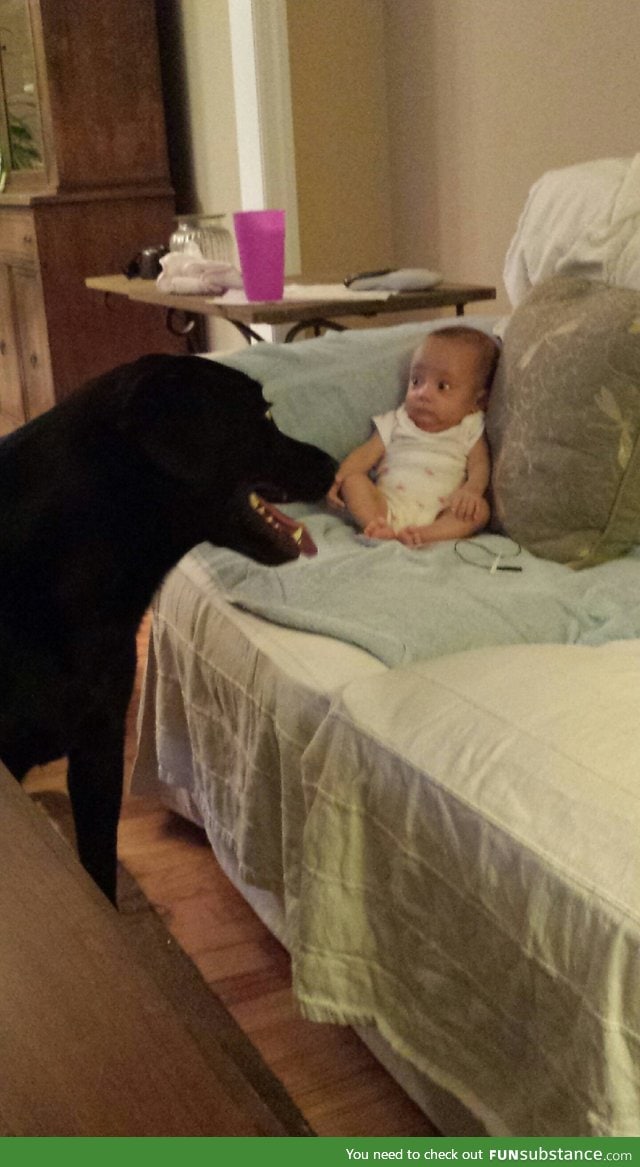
[(31, 327), (18, 235), (12, 408)]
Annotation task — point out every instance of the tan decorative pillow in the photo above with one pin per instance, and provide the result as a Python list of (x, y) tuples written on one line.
[(564, 423)]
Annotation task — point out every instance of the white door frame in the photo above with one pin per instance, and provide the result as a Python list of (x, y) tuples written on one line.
[(264, 121)]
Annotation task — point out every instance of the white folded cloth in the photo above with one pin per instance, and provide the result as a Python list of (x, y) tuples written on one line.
[(582, 220), (311, 292), (329, 292), (189, 273)]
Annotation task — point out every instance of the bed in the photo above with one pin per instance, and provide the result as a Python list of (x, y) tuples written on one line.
[(421, 768)]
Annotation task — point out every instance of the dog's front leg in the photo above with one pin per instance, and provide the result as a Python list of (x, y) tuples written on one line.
[(95, 789)]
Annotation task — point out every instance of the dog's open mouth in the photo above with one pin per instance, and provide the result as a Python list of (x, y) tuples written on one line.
[(288, 534), (264, 532)]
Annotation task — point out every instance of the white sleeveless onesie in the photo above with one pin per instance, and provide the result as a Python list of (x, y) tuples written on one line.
[(420, 469)]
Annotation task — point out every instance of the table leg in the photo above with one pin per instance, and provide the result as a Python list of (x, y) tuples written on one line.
[(319, 325), (181, 323)]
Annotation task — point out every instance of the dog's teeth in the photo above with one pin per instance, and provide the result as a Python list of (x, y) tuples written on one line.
[(256, 504)]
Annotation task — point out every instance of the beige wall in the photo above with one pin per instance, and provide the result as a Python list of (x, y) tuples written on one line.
[(420, 125), (483, 97), (336, 50)]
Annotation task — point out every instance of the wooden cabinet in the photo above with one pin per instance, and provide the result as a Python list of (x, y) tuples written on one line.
[(86, 186), (26, 384), (33, 346), (12, 410)]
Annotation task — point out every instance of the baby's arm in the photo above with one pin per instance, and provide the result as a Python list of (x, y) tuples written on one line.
[(359, 461), (467, 501)]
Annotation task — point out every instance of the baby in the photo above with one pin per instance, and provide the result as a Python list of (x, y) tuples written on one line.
[(429, 458)]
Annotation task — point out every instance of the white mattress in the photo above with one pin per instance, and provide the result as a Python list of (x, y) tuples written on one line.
[(229, 705), (200, 648), (466, 882), (483, 811)]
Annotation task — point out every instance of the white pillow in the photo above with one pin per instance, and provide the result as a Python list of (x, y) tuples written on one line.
[(583, 221)]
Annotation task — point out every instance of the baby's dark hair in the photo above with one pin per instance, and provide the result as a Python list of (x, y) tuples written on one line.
[(487, 346)]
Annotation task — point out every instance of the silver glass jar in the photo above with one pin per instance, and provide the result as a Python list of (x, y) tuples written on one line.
[(208, 232)]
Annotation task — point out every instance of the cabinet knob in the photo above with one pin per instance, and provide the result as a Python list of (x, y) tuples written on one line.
[(33, 360), (27, 238)]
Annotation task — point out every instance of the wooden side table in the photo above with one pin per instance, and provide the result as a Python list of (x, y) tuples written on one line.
[(299, 314), (90, 1044)]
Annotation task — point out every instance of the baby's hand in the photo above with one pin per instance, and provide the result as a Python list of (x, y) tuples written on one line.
[(333, 499), (465, 503)]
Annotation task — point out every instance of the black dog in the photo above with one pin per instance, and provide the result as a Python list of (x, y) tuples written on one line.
[(99, 498)]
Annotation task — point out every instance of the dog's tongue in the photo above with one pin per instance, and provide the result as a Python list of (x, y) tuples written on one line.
[(291, 530)]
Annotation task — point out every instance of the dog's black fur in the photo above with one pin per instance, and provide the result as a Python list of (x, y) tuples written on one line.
[(99, 498)]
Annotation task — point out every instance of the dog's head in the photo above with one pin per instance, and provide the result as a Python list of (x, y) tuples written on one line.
[(207, 429)]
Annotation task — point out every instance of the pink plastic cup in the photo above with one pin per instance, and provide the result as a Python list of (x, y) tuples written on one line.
[(260, 239)]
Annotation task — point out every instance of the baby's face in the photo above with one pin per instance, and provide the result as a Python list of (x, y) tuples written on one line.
[(444, 384)]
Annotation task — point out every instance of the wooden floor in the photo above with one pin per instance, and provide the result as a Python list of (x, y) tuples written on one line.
[(337, 1084)]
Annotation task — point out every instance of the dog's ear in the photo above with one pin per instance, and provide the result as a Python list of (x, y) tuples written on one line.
[(177, 411)]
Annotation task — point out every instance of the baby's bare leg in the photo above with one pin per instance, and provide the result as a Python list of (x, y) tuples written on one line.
[(445, 526), (367, 505)]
